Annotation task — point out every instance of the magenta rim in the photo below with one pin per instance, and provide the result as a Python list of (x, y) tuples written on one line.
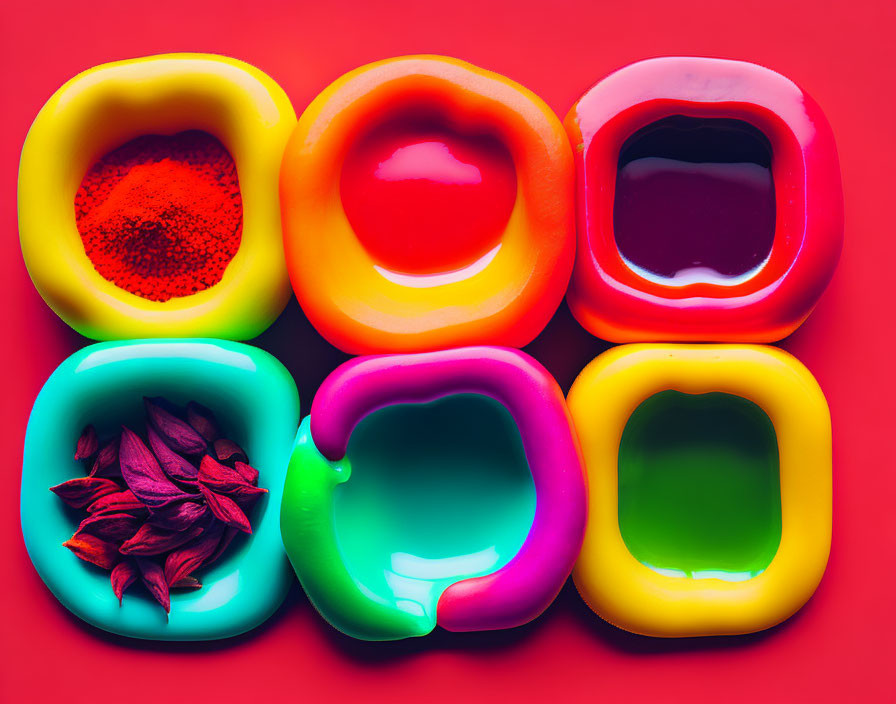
[(524, 587)]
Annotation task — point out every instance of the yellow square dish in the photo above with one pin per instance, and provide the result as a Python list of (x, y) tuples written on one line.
[(659, 601)]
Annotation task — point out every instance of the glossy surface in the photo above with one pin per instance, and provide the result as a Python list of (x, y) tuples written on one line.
[(695, 201), (838, 647), (253, 396), (439, 492), (424, 199), (620, 303), (611, 574), (699, 489), (111, 104), (400, 550), (411, 265)]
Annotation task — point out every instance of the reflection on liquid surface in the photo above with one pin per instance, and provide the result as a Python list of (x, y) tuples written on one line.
[(699, 486), (695, 202), (424, 199), (439, 492)]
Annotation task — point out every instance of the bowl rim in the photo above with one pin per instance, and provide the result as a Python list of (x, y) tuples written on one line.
[(108, 105), (240, 591), (631, 595), (615, 303), (507, 597), (508, 295)]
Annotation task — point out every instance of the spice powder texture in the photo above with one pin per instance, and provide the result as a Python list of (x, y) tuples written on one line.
[(161, 217)]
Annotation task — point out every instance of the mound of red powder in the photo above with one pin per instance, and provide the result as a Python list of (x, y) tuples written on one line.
[(162, 217)]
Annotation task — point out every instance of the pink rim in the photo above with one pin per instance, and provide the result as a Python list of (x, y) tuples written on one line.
[(613, 302)]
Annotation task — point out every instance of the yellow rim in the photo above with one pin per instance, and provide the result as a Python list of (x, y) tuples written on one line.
[(106, 106), (632, 596)]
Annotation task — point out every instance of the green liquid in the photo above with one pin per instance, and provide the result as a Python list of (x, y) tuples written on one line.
[(699, 486), (439, 492)]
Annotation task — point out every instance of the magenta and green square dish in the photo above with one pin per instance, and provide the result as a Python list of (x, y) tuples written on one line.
[(442, 488), (255, 401)]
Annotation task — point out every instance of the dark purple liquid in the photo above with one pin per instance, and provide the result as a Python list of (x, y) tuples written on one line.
[(695, 200)]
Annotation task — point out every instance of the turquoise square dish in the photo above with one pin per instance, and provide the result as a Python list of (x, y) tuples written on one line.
[(257, 404)]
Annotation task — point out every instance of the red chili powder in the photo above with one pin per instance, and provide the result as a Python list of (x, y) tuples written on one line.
[(162, 217)]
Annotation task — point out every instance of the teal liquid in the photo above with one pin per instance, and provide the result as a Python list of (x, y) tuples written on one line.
[(439, 492), (699, 486)]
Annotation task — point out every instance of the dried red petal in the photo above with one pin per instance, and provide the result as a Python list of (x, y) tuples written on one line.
[(118, 502), (190, 557), (152, 540), (172, 463), (92, 549), (154, 578), (77, 493), (225, 450), (187, 582), (250, 474), (123, 576), (177, 433), (202, 420), (106, 462), (245, 496), (226, 510), (230, 482), (220, 477), (178, 516), (114, 527), (87, 444), (143, 474)]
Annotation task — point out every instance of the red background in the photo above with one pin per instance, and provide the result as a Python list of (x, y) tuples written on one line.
[(836, 648)]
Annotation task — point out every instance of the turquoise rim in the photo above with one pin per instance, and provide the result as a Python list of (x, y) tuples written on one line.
[(256, 402)]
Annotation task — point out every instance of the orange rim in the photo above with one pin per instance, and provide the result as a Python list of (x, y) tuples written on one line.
[(504, 298)]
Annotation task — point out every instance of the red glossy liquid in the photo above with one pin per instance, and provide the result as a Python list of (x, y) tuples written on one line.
[(695, 201), (423, 199)]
